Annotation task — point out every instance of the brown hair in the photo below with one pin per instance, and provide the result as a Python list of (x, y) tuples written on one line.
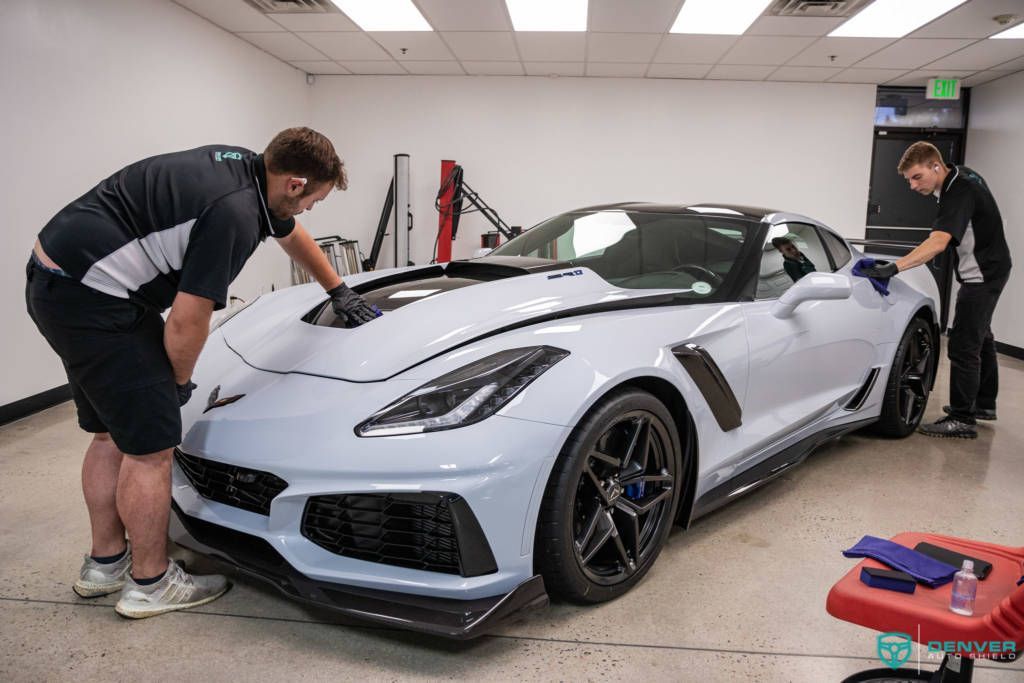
[(306, 153), (919, 153)]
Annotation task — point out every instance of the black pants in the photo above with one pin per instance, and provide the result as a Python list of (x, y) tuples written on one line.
[(974, 370)]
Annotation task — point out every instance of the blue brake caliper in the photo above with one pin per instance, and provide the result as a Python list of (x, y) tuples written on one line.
[(635, 491)]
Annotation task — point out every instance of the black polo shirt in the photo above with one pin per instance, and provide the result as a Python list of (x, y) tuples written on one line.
[(186, 221), (968, 212)]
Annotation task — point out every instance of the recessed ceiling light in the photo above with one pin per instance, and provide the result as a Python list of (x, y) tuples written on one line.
[(716, 17), (384, 15), (548, 15), (1015, 32), (893, 18)]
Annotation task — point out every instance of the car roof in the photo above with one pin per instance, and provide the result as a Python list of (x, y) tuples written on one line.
[(710, 208)]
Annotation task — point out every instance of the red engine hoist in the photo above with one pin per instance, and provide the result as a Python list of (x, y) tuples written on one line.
[(454, 191)]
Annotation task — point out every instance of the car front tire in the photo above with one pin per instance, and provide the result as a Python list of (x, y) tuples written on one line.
[(909, 383), (610, 500)]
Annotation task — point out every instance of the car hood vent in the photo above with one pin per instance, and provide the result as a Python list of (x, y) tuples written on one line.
[(816, 8), (292, 6)]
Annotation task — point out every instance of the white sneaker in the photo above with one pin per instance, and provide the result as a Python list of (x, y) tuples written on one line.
[(176, 590), (96, 579)]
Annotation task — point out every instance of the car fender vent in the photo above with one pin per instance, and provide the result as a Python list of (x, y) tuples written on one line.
[(857, 400), (293, 6), (816, 8)]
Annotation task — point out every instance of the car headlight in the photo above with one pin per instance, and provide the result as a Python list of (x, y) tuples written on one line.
[(464, 396), (231, 313)]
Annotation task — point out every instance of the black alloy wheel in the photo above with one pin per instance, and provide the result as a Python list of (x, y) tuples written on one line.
[(611, 499), (910, 381), (915, 377)]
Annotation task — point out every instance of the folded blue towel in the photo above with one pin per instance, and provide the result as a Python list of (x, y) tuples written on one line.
[(926, 570), (881, 284)]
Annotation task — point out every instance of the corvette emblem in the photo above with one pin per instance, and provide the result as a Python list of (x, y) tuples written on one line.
[(214, 402)]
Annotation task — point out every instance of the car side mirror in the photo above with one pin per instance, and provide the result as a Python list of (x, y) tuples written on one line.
[(812, 287), (483, 251)]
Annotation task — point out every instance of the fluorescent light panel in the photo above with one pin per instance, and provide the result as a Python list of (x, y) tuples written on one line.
[(1015, 32), (548, 15), (384, 15), (893, 18), (717, 17)]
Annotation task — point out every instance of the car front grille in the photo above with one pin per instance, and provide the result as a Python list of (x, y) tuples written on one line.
[(431, 531), (238, 487)]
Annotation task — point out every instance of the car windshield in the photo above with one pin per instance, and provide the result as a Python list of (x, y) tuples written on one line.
[(640, 250)]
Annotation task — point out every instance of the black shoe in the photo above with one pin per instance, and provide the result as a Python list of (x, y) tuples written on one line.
[(979, 413), (950, 428)]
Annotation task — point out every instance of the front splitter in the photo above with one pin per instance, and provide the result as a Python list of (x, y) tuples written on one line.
[(446, 617)]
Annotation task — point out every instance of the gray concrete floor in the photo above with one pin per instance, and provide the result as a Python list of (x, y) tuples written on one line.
[(740, 596)]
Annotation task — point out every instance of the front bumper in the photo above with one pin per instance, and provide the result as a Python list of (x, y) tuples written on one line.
[(447, 617)]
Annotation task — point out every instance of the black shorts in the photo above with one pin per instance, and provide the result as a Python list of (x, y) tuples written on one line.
[(113, 353)]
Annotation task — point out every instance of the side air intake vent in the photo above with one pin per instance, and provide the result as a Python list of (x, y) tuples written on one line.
[(858, 399), (816, 8), (292, 6)]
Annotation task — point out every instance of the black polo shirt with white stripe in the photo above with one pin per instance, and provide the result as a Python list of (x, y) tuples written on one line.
[(968, 212), (185, 221)]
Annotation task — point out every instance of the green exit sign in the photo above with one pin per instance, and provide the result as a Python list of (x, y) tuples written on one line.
[(943, 89)]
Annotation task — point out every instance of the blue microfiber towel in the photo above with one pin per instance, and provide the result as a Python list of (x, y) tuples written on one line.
[(373, 307), (923, 568), (881, 284)]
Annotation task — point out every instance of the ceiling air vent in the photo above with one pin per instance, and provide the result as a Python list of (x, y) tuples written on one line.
[(292, 6), (816, 8)]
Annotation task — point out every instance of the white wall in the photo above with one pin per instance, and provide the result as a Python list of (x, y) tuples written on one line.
[(92, 86), (533, 147), (995, 149)]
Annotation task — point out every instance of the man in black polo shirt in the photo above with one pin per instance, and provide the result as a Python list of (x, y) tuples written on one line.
[(171, 231), (969, 219)]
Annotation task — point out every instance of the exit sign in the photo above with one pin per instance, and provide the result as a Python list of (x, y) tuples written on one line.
[(943, 89)]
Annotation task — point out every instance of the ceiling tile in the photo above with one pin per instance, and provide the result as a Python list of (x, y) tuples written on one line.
[(420, 45), (693, 49), (734, 72), (552, 46), (793, 26), (286, 46), (554, 68), (345, 46), (482, 45), (375, 68), (617, 70), (846, 51), (970, 20), (984, 54), (434, 68), (867, 75), (622, 47), (920, 78), (678, 70), (231, 15), (466, 15), (910, 53), (630, 16), (321, 67), (984, 77), (765, 49), (493, 68), (1014, 65), (809, 74), (316, 22)]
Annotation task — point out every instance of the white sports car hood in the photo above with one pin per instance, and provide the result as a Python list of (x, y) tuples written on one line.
[(426, 311)]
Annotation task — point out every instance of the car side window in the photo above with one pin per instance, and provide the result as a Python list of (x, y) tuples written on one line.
[(837, 247), (791, 251)]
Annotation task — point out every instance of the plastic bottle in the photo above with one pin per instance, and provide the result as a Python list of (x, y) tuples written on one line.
[(965, 589)]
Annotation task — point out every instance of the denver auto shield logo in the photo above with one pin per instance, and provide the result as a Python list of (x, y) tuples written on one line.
[(894, 648)]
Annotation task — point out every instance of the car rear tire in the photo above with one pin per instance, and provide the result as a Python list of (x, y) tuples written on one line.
[(909, 383), (611, 499)]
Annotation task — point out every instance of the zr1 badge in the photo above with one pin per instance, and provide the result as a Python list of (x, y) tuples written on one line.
[(568, 273)]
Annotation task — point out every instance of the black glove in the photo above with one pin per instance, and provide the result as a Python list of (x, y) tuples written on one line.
[(185, 392), (350, 308), (881, 270)]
